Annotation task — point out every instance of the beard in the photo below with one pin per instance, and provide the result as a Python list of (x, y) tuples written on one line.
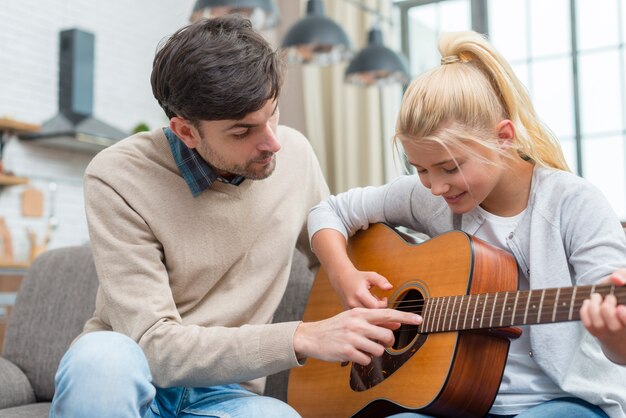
[(251, 169)]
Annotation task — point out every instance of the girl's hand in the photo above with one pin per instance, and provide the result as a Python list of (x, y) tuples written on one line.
[(353, 287), (606, 320)]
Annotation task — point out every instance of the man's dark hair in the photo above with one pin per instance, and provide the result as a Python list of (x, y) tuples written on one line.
[(216, 69)]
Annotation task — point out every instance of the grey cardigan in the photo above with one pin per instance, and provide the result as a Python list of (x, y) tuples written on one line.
[(577, 240)]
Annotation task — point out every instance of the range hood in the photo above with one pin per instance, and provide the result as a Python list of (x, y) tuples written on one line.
[(74, 127)]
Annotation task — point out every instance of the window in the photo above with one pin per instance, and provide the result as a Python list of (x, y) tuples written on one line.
[(570, 56), (424, 22)]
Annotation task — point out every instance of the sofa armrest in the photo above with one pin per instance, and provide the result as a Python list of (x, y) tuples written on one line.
[(15, 389)]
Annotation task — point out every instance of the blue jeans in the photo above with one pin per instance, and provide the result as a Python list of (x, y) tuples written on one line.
[(556, 408), (106, 374)]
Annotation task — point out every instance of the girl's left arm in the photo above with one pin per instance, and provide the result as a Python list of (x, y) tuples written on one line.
[(596, 246), (593, 236)]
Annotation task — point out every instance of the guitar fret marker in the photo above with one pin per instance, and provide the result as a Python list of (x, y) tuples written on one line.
[(514, 309), (475, 306), (482, 315), (543, 292), (493, 309), (458, 311), (506, 295), (556, 303), (452, 314), (527, 303), (571, 305)]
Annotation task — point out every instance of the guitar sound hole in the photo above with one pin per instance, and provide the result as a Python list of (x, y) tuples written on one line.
[(410, 301)]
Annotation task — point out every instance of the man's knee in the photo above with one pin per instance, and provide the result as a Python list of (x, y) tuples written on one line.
[(265, 406), (100, 372), (105, 356)]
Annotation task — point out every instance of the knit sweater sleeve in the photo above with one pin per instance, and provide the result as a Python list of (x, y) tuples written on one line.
[(592, 235), (136, 299), (402, 202)]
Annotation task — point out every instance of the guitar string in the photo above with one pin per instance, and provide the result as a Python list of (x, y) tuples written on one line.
[(505, 317), (505, 324), (420, 304), (507, 320), (618, 292), (549, 307)]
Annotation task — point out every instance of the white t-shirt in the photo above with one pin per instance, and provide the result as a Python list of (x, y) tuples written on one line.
[(523, 384)]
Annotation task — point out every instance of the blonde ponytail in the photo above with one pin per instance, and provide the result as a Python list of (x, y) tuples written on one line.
[(476, 88)]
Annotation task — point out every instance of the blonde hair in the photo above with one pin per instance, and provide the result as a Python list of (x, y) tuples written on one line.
[(467, 96)]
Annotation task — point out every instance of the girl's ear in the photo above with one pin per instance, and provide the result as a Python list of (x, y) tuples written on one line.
[(506, 133), (185, 131)]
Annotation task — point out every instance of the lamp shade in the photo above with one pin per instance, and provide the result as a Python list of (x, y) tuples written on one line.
[(262, 13), (316, 38), (376, 64)]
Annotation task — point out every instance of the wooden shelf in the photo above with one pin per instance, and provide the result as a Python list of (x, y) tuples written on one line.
[(17, 126), (11, 281), (6, 180), (13, 266)]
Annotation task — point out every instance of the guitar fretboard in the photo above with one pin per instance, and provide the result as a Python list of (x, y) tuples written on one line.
[(504, 309)]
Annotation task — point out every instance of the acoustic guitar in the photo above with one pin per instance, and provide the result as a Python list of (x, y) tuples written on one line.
[(450, 365)]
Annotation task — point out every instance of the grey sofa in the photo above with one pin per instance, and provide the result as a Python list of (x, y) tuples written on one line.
[(56, 298)]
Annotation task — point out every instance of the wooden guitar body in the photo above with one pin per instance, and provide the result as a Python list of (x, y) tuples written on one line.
[(438, 374)]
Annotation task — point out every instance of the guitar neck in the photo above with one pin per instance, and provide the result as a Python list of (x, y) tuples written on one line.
[(505, 309)]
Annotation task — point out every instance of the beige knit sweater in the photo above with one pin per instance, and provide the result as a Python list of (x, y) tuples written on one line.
[(196, 281)]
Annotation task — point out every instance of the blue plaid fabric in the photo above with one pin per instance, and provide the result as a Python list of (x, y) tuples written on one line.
[(198, 174)]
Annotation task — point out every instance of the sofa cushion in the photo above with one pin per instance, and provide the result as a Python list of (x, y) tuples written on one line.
[(34, 410)]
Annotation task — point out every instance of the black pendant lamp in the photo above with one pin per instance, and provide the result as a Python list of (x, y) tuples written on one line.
[(316, 38), (262, 13), (376, 64)]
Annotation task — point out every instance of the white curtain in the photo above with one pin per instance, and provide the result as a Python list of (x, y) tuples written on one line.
[(350, 127)]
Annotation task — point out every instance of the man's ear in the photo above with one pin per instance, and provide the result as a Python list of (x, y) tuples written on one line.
[(506, 133), (185, 131)]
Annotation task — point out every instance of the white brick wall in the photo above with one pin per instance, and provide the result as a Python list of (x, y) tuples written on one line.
[(126, 36), (127, 33)]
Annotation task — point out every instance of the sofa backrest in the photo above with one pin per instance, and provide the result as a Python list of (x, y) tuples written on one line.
[(55, 299)]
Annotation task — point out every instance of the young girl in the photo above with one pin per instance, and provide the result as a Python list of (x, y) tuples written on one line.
[(488, 166)]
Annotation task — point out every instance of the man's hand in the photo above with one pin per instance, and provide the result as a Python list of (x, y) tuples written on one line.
[(355, 335)]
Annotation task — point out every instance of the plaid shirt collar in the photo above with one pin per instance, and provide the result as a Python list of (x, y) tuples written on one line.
[(198, 174)]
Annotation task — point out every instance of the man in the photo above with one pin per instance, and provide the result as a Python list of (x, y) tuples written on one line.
[(193, 229)]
